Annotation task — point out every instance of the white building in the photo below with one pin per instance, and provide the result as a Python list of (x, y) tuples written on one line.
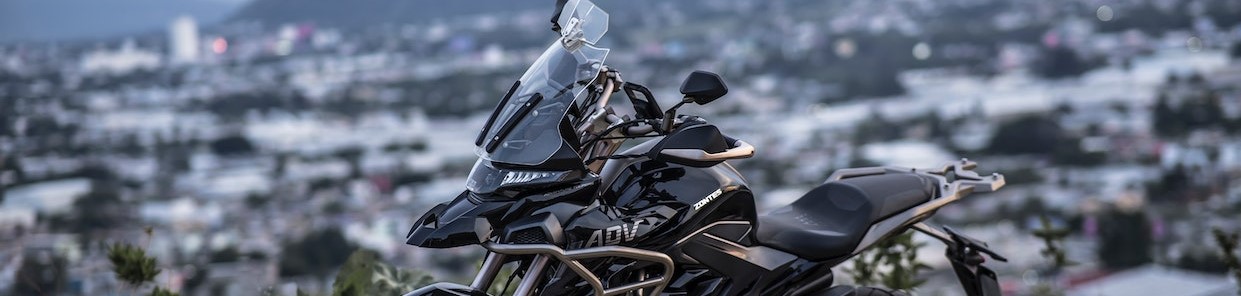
[(183, 40), (46, 197), (127, 58)]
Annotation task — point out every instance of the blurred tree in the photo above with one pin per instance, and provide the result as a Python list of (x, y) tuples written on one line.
[(1203, 259), (1125, 239), (1027, 135), (257, 201), (877, 129), (1173, 185), (352, 155), (1228, 248), (159, 291), (228, 254), (1060, 62), (97, 211), (41, 273), (1195, 78), (232, 145), (131, 146), (1069, 153), (317, 254), (1166, 123), (1235, 52), (364, 274), (195, 276)]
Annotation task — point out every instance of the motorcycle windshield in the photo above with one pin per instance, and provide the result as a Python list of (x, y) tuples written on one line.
[(526, 127)]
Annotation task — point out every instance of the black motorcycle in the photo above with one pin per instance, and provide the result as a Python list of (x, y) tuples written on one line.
[(551, 196)]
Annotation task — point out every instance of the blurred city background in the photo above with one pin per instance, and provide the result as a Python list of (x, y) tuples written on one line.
[(252, 145)]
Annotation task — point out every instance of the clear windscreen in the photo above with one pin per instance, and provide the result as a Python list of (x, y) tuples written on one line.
[(529, 135)]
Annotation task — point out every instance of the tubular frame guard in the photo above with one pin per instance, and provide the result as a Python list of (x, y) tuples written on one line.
[(571, 259)]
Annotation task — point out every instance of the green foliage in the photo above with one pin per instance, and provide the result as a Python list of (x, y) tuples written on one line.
[(94, 212), (899, 255), (228, 254), (158, 291), (505, 289), (34, 278), (1125, 239), (255, 200), (131, 264), (319, 253), (1027, 135), (1227, 242), (364, 274), (1052, 239), (1176, 117), (1061, 62), (232, 145)]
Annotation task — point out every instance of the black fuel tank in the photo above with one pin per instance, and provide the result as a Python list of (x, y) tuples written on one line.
[(652, 203)]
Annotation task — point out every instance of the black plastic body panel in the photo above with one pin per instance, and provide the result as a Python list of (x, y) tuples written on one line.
[(469, 219), (664, 202)]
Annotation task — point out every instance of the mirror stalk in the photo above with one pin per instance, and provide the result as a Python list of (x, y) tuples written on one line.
[(671, 114)]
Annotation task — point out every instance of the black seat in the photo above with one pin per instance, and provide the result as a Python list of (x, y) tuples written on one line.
[(830, 220)]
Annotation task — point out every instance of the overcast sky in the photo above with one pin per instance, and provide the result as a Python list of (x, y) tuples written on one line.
[(48, 20)]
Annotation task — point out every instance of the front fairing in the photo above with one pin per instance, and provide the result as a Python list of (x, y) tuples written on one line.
[(460, 222), (472, 218)]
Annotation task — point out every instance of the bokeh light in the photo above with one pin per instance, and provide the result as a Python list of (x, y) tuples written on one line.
[(219, 45), (1105, 13), (922, 51)]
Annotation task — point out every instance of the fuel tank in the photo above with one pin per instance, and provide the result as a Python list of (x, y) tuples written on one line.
[(651, 204)]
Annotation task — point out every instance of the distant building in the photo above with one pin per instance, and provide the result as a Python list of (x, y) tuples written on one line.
[(46, 197), (183, 40), (124, 60)]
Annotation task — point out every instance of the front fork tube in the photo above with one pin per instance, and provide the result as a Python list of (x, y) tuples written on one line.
[(495, 261), (531, 278), (487, 274)]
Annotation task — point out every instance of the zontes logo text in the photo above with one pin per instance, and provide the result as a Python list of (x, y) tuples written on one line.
[(706, 200), (614, 235)]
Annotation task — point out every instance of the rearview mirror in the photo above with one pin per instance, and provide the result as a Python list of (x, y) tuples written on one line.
[(703, 87)]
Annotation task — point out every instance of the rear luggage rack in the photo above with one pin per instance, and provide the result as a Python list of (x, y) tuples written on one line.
[(955, 179)]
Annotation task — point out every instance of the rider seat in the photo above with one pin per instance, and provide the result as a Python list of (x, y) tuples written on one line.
[(829, 221)]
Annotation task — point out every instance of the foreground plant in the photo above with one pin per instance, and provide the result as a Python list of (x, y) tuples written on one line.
[(1227, 242)]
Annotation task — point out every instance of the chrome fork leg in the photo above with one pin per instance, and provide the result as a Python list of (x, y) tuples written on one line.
[(487, 274), (531, 277)]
